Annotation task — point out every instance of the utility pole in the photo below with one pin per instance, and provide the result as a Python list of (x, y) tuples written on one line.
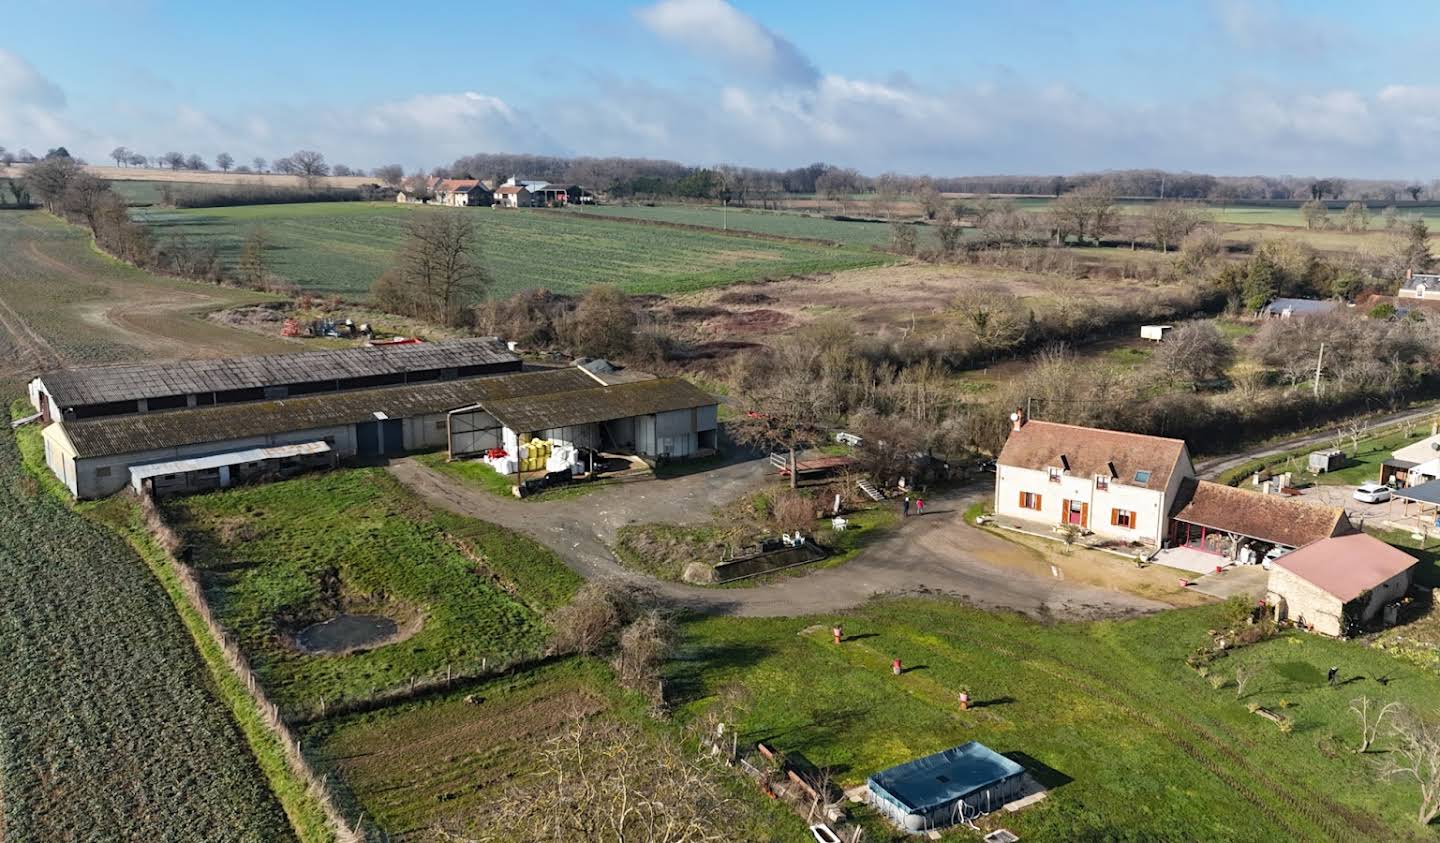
[(1319, 361)]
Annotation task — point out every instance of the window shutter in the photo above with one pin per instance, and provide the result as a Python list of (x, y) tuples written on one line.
[(1114, 517), (1022, 500), (1037, 501)]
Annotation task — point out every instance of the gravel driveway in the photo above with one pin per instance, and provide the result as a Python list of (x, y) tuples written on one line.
[(934, 553)]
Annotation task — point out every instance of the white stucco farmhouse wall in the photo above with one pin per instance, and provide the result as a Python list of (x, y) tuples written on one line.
[(1150, 506)]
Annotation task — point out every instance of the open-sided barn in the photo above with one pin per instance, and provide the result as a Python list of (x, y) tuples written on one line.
[(467, 396)]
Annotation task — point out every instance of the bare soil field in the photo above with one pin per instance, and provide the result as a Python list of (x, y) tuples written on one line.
[(204, 177), (909, 296), (62, 302)]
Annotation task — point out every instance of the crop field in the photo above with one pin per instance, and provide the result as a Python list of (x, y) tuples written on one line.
[(785, 224), (1133, 743), (279, 557), (340, 248), (445, 763), (109, 720), (62, 302)]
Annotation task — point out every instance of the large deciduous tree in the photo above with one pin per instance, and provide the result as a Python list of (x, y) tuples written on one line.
[(47, 180), (438, 272)]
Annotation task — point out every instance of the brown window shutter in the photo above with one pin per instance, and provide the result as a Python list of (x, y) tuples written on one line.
[(1037, 502), (1022, 500), (1114, 517), (1084, 515)]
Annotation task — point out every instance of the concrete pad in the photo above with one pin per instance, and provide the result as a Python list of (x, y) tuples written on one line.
[(1244, 580), (1189, 559)]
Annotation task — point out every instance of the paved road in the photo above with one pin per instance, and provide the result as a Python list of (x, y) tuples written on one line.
[(1214, 465), (935, 553)]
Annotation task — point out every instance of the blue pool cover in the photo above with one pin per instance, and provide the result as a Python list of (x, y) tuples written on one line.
[(937, 780)]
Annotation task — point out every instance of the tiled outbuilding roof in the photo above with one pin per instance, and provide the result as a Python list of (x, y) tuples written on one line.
[(1271, 518)]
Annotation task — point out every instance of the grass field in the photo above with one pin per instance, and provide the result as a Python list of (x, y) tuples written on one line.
[(786, 224), (63, 302), (445, 763), (111, 725), (340, 248), (1134, 744), (278, 557)]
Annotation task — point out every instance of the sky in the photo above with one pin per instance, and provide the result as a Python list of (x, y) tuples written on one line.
[(964, 87)]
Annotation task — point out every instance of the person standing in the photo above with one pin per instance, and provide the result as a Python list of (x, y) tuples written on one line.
[(905, 508), (1331, 677), (919, 505), (837, 632), (895, 667)]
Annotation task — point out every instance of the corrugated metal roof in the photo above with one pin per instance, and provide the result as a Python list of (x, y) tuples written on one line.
[(147, 431), (155, 469), (100, 384), (533, 413)]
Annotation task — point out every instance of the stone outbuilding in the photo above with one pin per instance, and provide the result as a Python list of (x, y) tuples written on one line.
[(1337, 584)]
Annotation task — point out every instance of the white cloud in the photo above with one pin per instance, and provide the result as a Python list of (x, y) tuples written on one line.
[(32, 107), (717, 30)]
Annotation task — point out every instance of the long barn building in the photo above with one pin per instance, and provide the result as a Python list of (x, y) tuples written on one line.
[(187, 426)]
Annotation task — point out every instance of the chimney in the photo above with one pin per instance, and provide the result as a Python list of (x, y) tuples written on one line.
[(1017, 419)]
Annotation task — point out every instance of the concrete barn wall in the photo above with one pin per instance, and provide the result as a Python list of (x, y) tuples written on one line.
[(91, 481)]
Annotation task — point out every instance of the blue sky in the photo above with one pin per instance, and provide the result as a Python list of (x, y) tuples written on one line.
[(1227, 86)]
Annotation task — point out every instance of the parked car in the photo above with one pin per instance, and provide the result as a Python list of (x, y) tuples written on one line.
[(1372, 493), (1272, 554)]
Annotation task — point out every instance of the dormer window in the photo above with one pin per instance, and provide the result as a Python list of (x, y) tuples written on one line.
[(1102, 482), (1054, 474)]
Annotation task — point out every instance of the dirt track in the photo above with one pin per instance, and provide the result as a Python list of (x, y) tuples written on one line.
[(61, 302), (936, 553)]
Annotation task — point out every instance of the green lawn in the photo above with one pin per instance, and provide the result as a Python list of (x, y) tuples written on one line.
[(341, 247), (444, 763), (277, 557), (1134, 744)]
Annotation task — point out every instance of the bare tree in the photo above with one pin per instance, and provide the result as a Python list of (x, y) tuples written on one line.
[(390, 174), (902, 237), (1315, 214), (1170, 222), (644, 646), (254, 269), (309, 165), (258, 163), (1370, 719), (1243, 675), (602, 325), (998, 321), (438, 273), (1088, 212), (173, 160), (792, 511), (82, 198), (138, 160), (601, 780), (224, 161), (49, 179), (1194, 352), (1356, 217), (1415, 757), (589, 623), (782, 409), (195, 162), (121, 156)]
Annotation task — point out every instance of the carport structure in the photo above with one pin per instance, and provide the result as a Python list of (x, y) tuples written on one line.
[(1425, 497), (1218, 519)]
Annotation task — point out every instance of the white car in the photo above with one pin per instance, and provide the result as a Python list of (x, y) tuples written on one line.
[(1272, 554), (1372, 493)]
